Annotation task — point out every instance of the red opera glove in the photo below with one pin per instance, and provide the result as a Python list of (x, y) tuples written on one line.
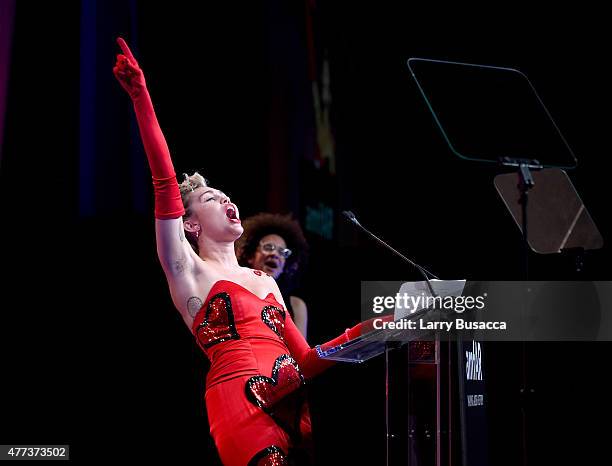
[(168, 202), (351, 333), (128, 73), (308, 358)]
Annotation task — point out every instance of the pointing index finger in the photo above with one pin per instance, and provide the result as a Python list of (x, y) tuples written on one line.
[(126, 50)]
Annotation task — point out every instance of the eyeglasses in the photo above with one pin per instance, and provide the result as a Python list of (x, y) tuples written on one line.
[(271, 247)]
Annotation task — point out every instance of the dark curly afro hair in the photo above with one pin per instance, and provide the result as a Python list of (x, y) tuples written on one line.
[(263, 224)]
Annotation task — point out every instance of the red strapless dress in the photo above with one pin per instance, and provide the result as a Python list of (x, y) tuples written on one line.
[(259, 360)]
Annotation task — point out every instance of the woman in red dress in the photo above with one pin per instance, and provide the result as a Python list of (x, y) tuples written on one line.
[(259, 359)]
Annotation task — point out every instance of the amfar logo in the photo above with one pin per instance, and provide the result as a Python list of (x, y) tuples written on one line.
[(473, 365)]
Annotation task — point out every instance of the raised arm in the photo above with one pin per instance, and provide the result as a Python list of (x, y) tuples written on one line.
[(174, 251)]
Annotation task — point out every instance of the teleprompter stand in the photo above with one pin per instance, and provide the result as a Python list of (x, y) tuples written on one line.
[(494, 115)]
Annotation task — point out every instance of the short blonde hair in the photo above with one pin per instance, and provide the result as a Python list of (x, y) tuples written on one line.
[(187, 186)]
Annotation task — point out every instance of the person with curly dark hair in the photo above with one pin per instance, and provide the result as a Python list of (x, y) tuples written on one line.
[(275, 244)]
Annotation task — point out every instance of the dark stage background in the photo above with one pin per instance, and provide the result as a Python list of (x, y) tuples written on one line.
[(93, 353)]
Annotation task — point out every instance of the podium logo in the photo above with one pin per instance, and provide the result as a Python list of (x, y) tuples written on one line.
[(473, 365)]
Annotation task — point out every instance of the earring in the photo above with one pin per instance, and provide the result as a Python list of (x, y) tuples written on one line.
[(197, 233)]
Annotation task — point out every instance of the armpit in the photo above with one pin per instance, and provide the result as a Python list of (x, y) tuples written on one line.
[(181, 265)]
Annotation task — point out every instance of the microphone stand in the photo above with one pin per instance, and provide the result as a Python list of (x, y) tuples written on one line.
[(388, 345), (424, 272)]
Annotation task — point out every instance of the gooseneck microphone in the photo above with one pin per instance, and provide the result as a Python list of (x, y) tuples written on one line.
[(351, 217)]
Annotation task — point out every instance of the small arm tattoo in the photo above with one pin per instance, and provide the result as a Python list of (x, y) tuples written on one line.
[(194, 304), (181, 232)]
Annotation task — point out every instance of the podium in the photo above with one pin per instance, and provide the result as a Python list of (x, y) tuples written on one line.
[(427, 381)]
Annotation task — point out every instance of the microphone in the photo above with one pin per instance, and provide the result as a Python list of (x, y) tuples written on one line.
[(351, 217)]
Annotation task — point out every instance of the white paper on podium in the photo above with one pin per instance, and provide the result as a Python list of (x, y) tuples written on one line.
[(414, 290)]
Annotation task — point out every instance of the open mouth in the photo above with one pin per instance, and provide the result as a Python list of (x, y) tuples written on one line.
[(271, 264), (231, 214)]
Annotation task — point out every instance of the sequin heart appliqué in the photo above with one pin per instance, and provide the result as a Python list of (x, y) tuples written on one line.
[(274, 318), (218, 324), (280, 396)]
